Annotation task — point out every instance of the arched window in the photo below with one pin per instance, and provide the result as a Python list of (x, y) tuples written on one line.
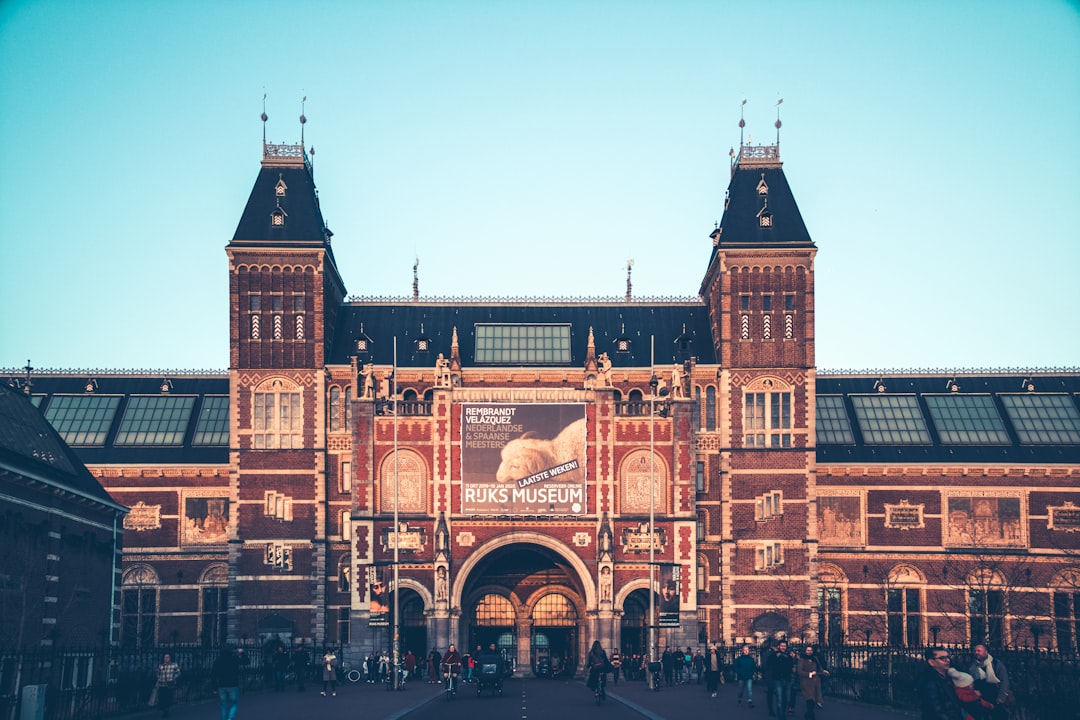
[(138, 607), (987, 608), (214, 605), (830, 600), (494, 611), (554, 610), (710, 408), (905, 606), (334, 411), (1065, 598)]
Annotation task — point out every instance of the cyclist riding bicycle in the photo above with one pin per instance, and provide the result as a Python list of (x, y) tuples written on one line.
[(451, 667), (599, 666)]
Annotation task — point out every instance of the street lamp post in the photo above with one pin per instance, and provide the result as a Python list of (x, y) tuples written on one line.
[(653, 382), (396, 659)]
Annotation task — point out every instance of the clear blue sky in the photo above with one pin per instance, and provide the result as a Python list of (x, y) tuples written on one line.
[(531, 148)]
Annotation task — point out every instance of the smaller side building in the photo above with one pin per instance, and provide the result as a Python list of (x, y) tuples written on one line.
[(62, 535)]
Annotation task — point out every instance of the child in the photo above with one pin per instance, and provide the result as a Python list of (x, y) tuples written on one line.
[(964, 685)]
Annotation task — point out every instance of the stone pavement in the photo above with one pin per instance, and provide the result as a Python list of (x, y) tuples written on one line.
[(369, 701)]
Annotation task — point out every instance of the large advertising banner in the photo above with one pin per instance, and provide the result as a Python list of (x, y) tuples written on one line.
[(523, 459), (669, 595)]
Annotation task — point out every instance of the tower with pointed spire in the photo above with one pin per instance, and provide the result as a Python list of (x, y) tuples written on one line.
[(285, 291), (759, 288)]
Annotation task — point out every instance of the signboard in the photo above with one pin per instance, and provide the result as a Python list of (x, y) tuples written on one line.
[(526, 459), (379, 590), (669, 595)]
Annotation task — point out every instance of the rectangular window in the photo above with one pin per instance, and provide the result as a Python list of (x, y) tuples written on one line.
[(789, 302), (278, 506), (82, 419), (744, 302), (701, 527), (523, 344), (298, 303), (770, 412), (768, 506), (138, 622), (277, 421), (155, 420), (1067, 620), (833, 424), (254, 303), (346, 525), (343, 626), (967, 420), (830, 620), (214, 616), (276, 303), (766, 303), (213, 425), (699, 476), (986, 615), (769, 556), (890, 420), (346, 477), (1043, 419), (904, 617)]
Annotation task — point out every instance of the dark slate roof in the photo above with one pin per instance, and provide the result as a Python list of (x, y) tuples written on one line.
[(740, 225), (29, 447), (46, 387), (303, 224), (667, 322), (1065, 383)]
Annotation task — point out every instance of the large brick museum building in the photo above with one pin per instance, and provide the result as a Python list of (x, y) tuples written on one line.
[(520, 465)]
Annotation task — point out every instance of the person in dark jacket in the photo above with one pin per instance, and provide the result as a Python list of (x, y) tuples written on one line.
[(301, 664), (781, 668), (992, 681), (934, 688), (744, 668), (226, 676)]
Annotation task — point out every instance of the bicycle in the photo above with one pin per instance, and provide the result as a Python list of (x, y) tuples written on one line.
[(601, 688), (451, 676)]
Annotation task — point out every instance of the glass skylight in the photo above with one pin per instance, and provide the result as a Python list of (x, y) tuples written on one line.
[(1043, 419), (967, 420), (833, 425), (213, 427), (523, 344), (82, 419), (155, 420), (890, 420)]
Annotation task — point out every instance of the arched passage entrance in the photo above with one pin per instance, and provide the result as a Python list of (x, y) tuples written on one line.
[(529, 594)]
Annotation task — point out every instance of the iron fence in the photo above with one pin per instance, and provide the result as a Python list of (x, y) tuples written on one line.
[(87, 684)]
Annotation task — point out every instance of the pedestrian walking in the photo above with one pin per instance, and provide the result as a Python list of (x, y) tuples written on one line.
[(301, 664), (329, 673), (992, 681), (810, 671), (744, 668), (168, 673), (226, 678), (934, 688)]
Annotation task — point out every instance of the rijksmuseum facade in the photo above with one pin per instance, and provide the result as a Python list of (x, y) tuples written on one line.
[(523, 466)]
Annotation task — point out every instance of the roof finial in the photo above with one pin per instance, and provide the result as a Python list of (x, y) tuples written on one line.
[(742, 122), (778, 104), (264, 116), (303, 120), (629, 285), (416, 280), (28, 381)]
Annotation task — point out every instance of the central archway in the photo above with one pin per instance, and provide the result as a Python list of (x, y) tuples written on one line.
[(528, 593)]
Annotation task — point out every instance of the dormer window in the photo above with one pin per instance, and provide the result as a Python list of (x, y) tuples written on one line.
[(277, 217), (423, 345), (280, 188), (762, 188), (362, 345)]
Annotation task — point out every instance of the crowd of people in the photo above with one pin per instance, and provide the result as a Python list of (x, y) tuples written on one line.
[(981, 691)]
